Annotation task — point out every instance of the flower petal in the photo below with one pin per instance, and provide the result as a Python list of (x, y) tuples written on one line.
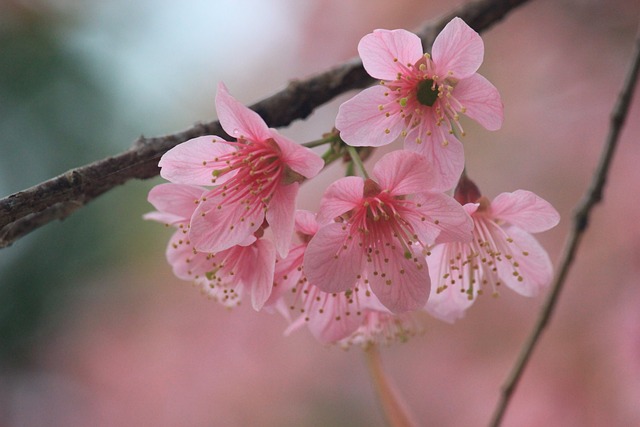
[(534, 268), (361, 122), (177, 199), (224, 294), (403, 172), (525, 210), (165, 218), (481, 101), (194, 161), (216, 225), (280, 216), (258, 264), (457, 51), (300, 159), (340, 197), (335, 322), (449, 304), (442, 150), (332, 261), (288, 271), (400, 284), (305, 222), (385, 53), (438, 218), (238, 120), (185, 262)]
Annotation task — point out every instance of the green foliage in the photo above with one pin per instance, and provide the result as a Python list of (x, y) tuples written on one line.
[(53, 117)]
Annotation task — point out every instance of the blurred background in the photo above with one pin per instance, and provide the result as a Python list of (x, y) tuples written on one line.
[(95, 330)]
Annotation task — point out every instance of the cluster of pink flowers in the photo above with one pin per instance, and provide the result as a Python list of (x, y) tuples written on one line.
[(381, 246)]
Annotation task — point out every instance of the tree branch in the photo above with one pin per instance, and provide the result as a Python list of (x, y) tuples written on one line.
[(59, 197), (579, 225)]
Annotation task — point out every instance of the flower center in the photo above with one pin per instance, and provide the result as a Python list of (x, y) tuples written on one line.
[(258, 172), (427, 92), (379, 222)]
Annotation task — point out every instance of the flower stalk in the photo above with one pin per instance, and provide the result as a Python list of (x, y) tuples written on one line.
[(355, 158), (393, 405)]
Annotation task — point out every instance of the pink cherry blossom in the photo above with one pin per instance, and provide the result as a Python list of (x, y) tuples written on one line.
[(175, 204), (502, 251), (245, 270), (224, 275), (421, 96), (381, 228), (330, 317), (255, 178), (354, 317)]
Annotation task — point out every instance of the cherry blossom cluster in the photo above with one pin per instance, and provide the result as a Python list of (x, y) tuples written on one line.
[(414, 234)]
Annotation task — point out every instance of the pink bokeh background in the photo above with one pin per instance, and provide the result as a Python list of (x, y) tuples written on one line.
[(139, 347)]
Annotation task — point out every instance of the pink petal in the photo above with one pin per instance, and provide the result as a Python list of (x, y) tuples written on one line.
[(287, 273), (257, 269), (175, 199), (300, 159), (442, 150), (471, 208), (276, 301), (457, 51), (362, 123), (371, 302), (400, 284), (385, 53), (238, 120), (340, 197), (306, 223), (223, 228), (481, 100), (526, 210), (226, 295), (165, 218), (328, 329), (535, 267), (280, 216), (194, 161), (403, 172), (332, 262), (279, 306), (296, 325), (186, 264), (450, 304), (439, 218)]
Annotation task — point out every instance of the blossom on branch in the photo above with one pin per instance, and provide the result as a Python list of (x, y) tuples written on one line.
[(421, 96), (255, 178), (224, 275), (175, 204), (502, 251), (353, 317), (381, 228)]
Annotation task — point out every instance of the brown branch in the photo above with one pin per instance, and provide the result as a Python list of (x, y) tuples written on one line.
[(57, 198), (579, 225)]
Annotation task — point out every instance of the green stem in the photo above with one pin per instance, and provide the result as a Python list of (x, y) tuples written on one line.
[(330, 156), (333, 137), (350, 171), (355, 157)]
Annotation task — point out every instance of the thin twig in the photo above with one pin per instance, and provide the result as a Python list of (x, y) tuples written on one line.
[(355, 158), (580, 222), (57, 198)]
